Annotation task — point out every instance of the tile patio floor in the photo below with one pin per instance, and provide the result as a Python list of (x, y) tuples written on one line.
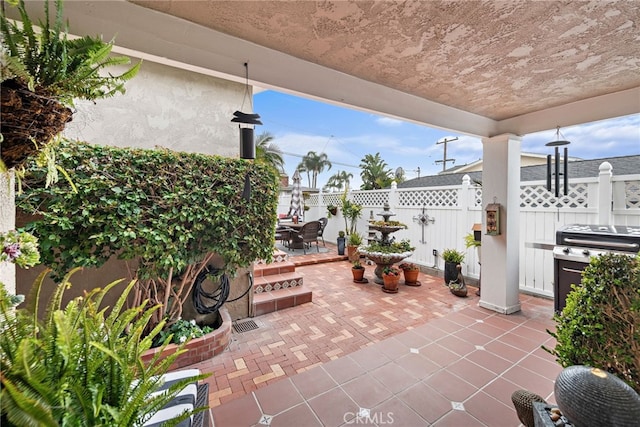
[(358, 356)]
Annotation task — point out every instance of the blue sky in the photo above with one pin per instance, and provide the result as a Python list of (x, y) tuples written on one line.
[(300, 125)]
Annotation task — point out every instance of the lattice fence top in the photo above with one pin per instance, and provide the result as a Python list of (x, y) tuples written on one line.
[(477, 196), (632, 193), (446, 197), (331, 199), (370, 198), (537, 196)]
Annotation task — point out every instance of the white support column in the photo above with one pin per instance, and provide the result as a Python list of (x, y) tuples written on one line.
[(464, 224), (501, 253), (605, 194), (7, 222)]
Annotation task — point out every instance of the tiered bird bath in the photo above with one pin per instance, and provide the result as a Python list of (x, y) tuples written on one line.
[(384, 258)]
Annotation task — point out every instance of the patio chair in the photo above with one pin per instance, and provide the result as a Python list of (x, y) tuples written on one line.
[(323, 223), (192, 396), (307, 235)]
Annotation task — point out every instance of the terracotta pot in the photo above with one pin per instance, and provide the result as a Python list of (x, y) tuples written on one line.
[(358, 274), (411, 276), (352, 252), (390, 283)]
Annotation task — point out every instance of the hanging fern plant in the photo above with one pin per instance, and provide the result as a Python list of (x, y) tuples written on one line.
[(43, 72)]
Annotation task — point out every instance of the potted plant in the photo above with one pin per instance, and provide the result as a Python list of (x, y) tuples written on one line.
[(410, 271), (355, 240), (391, 278), (472, 240), (341, 242), (358, 271), (351, 212), (332, 210), (83, 363), (451, 258), (43, 72)]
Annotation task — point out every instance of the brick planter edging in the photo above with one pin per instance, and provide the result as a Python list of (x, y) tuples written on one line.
[(198, 349)]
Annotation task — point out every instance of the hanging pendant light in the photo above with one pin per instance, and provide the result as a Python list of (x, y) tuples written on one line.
[(557, 144), (246, 123)]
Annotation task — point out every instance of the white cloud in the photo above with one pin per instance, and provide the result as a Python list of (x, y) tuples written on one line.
[(388, 121)]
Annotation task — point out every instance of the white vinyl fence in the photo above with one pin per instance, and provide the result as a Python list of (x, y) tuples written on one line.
[(439, 217)]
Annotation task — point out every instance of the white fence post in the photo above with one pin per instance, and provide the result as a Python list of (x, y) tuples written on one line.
[(393, 195), (605, 194)]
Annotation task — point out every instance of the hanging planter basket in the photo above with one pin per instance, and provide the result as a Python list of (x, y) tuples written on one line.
[(29, 121)]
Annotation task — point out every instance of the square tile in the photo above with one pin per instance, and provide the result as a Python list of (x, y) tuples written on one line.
[(300, 415), (393, 379), (425, 401), (369, 358), (313, 382), (366, 391), (450, 386), (334, 407), (278, 396), (343, 369), (471, 373), (417, 365), (394, 412), (243, 411), (490, 411)]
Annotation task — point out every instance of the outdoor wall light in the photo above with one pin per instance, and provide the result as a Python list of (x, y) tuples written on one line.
[(246, 123), (557, 144)]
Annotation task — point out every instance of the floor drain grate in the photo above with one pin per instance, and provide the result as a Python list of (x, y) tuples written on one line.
[(248, 325)]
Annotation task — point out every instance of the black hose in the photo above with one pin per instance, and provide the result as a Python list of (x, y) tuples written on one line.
[(219, 296)]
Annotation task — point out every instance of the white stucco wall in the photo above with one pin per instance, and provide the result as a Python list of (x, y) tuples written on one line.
[(7, 222), (167, 107)]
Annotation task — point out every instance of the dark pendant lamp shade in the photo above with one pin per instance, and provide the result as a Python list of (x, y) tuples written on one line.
[(246, 123), (247, 145)]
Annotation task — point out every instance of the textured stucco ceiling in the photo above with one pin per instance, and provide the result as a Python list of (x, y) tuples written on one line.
[(495, 59), (480, 68)]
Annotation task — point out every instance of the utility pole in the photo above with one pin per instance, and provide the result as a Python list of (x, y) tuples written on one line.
[(444, 159)]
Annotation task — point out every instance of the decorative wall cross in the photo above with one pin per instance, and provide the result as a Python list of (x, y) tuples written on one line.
[(423, 219)]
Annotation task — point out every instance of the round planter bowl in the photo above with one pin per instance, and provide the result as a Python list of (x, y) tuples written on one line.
[(591, 396)]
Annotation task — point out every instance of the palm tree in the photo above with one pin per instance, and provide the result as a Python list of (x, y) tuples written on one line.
[(269, 153), (339, 181), (375, 173), (313, 164)]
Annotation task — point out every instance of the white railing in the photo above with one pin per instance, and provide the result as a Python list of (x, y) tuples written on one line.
[(597, 200)]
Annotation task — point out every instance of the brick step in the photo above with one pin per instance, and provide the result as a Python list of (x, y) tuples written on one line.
[(267, 302), (260, 270), (276, 281)]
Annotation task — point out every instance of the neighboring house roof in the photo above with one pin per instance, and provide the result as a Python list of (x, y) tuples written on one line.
[(624, 165), (526, 159)]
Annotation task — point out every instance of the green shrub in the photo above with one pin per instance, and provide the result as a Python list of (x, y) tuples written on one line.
[(600, 324), (167, 211), (452, 255), (81, 365)]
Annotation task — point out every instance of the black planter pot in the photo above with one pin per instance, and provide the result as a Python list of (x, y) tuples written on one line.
[(341, 245), (450, 272)]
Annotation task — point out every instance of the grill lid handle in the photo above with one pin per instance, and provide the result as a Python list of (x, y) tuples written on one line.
[(616, 245)]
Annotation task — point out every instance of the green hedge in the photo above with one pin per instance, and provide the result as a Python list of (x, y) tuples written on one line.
[(167, 209)]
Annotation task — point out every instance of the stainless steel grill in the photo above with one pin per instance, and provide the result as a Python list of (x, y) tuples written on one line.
[(576, 244)]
